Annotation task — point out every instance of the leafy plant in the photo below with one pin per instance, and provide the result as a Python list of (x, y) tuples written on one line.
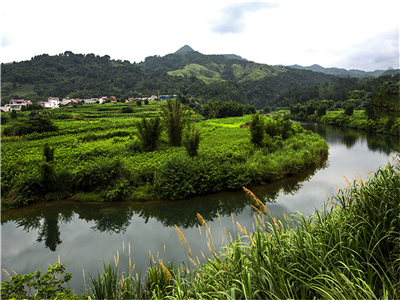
[(175, 117), (37, 285), (192, 141), (149, 131)]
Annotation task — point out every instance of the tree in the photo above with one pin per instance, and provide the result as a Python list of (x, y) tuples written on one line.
[(13, 114), (349, 109), (192, 141), (175, 117), (321, 110), (139, 103), (149, 131), (127, 110), (257, 130)]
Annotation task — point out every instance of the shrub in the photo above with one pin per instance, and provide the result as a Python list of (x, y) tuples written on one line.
[(149, 131), (100, 174), (257, 130), (175, 117), (192, 141), (127, 110), (46, 286), (39, 123)]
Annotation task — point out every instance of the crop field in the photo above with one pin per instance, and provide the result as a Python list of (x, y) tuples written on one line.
[(96, 152)]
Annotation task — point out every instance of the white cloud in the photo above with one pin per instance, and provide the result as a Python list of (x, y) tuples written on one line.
[(284, 32)]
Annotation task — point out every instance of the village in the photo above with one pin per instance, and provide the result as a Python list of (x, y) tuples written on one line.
[(54, 102)]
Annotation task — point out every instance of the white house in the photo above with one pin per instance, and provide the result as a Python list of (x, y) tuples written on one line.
[(16, 105), (91, 101), (52, 102)]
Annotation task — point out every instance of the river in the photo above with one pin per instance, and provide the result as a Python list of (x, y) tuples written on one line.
[(84, 235)]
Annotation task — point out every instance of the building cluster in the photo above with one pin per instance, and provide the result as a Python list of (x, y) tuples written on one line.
[(54, 102)]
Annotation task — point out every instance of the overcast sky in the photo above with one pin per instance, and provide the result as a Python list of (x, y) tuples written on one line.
[(347, 34)]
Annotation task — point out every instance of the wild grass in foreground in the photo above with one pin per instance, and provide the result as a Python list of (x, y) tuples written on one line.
[(348, 250)]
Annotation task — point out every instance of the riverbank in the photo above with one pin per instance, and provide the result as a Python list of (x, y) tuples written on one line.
[(349, 251), (358, 120), (93, 162)]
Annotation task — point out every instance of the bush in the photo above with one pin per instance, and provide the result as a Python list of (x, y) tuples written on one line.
[(46, 286), (39, 123), (100, 174), (175, 117), (149, 132), (127, 110), (257, 130), (192, 142)]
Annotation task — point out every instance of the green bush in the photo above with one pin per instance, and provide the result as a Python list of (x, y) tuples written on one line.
[(100, 174), (38, 286), (192, 141), (39, 123), (149, 132)]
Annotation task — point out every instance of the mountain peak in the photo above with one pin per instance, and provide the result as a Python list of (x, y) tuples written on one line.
[(390, 68), (185, 48)]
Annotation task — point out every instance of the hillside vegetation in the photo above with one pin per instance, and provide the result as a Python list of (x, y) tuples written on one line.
[(192, 74)]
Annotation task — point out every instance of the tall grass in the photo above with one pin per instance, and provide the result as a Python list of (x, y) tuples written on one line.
[(348, 250)]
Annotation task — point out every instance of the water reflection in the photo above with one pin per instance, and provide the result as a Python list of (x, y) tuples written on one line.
[(349, 137), (86, 234), (116, 217)]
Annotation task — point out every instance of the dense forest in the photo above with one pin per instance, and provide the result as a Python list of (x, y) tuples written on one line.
[(192, 74), (342, 89)]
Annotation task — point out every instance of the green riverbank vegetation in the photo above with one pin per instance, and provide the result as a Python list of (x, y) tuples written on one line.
[(377, 111), (164, 150), (348, 250)]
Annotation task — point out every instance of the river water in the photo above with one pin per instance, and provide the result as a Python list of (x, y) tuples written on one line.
[(84, 235)]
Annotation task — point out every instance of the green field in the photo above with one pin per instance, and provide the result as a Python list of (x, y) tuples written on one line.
[(97, 157)]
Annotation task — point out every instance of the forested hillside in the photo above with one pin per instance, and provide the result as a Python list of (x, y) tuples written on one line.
[(379, 89), (192, 74)]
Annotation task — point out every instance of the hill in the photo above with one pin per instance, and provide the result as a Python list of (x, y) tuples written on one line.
[(186, 72), (185, 48), (343, 72)]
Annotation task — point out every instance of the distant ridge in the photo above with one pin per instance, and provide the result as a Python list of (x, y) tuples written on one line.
[(185, 48), (234, 56), (343, 72)]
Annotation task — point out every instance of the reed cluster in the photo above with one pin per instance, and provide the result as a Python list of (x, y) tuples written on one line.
[(348, 250)]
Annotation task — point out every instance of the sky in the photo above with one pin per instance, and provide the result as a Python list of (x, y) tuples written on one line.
[(348, 34)]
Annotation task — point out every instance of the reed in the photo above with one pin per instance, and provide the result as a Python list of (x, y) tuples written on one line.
[(348, 251)]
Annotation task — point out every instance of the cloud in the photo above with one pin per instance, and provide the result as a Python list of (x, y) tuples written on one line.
[(232, 18), (378, 52), (6, 40)]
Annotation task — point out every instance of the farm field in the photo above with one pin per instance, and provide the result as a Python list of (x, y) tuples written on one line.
[(97, 157)]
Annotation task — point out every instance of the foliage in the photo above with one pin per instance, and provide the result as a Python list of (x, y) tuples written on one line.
[(39, 123), (127, 110), (257, 130), (38, 286), (100, 153), (175, 117), (192, 141), (149, 131), (268, 132), (349, 109), (208, 77), (218, 109), (348, 250)]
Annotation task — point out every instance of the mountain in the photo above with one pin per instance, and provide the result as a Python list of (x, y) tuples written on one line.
[(190, 73), (234, 56), (339, 71), (185, 48)]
